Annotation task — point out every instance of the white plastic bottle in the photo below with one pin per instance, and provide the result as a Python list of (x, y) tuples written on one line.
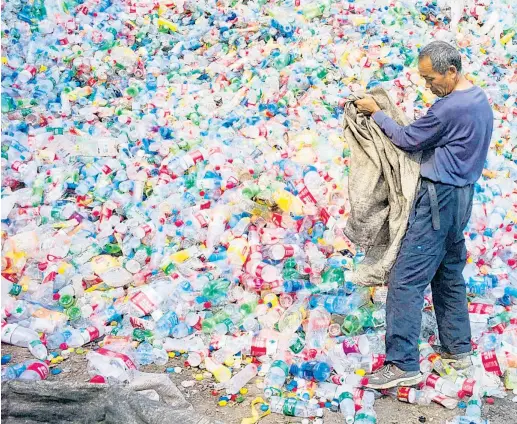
[(17, 335)]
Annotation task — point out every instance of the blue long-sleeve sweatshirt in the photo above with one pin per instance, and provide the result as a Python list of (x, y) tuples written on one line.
[(453, 136)]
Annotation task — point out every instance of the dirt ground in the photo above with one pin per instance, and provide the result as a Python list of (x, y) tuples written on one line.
[(389, 411)]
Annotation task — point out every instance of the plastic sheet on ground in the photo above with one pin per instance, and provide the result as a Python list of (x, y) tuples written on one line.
[(69, 402)]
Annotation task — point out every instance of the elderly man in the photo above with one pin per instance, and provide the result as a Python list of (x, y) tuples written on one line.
[(454, 137)]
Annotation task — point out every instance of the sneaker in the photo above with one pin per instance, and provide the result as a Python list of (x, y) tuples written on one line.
[(459, 361), (391, 376)]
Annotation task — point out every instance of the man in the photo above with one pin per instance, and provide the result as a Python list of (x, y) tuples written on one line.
[(454, 137)]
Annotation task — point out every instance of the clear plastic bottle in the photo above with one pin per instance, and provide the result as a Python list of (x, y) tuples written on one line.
[(346, 403), (312, 370), (239, 380), (35, 371), (292, 407), (277, 374), (317, 328), (442, 385), (366, 415)]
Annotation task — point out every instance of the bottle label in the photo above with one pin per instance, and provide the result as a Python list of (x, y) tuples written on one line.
[(440, 399), (490, 362), (107, 147), (277, 219), (258, 270), (290, 407), (228, 323), (499, 328), (258, 347), (126, 360), (142, 302), (35, 343), (93, 333), (288, 251), (351, 345), (345, 395), (468, 386), (305, 195), (378, 361), (282, 365), (365, 417), (196, 156), (337, 379), (106, 170), (481, 308), (325, 216), (10, 277), (144, 324), (403, 394), (40, 368), (16, 289), (16, 165), (201, 220), (297, 346), (358, 396), (432, 380)]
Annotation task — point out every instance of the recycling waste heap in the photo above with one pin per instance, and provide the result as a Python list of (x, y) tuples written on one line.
[(174, 182)]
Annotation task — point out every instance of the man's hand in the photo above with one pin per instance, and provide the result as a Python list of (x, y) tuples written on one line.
[(368, 106)]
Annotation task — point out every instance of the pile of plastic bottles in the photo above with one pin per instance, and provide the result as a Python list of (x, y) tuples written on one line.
[(174, 178)]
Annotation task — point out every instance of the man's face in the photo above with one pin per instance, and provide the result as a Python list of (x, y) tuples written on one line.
[(440, 85)]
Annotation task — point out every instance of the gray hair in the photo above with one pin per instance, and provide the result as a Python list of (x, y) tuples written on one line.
[(442, 56)]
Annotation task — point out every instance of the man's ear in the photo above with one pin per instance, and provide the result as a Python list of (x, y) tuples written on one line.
[(452, 70)]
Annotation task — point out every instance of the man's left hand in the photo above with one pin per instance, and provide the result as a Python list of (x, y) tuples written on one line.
[(368, 106)]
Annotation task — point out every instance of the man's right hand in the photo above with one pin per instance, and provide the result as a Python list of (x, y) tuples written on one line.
[(368, 106)]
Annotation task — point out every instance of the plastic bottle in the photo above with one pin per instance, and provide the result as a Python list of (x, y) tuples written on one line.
[(17, 335), (366, 415), (13, 372), (277, 374), (404, 394), (239, 380), (221, 373), (438, 364), (346, 403), (292, 407), (473, 410), (317, 328), (442, 385), (35, 371), (313, 370), (353, 380)]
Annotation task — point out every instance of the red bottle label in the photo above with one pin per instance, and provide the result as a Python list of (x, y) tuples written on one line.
[(124, 358), (39, 367), (491, 363)]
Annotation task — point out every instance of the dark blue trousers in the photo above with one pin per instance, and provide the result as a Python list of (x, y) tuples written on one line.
[(432, 252)]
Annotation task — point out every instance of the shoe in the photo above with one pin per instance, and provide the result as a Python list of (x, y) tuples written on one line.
[(459, 361), (391, 376)]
